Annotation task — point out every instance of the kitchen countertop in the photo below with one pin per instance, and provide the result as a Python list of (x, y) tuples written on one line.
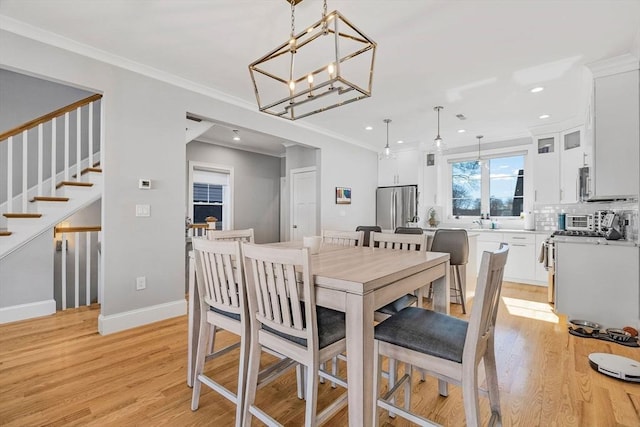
[(593, 241), (495, 230)]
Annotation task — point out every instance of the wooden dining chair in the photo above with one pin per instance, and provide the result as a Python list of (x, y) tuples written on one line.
[(285, 318), (343, 238), (245, 235), (223, 305), (446, 347)]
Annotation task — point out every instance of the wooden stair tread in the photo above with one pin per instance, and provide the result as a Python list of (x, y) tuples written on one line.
[(87, 170), (5, 233), (74, 184), (49, 199), (22, 215)]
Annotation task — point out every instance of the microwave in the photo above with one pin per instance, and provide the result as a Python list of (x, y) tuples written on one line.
[(579, 222)]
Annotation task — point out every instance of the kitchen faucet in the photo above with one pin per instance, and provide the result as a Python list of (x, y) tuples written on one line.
[(479, 222)]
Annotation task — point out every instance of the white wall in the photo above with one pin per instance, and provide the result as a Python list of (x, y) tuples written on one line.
[(144, 138)]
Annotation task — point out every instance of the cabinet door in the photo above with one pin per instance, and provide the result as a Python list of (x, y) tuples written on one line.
[(546, 169), (387, 172), (617, 131), (572, 158), (408, 163), (520, 262)]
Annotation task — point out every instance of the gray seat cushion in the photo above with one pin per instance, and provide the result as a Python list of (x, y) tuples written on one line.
[(331, 328), (425, 331), (234, 316), (396, 306)]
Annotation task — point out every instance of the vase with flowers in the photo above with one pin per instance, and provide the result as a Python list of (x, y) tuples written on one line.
[(433, 221)]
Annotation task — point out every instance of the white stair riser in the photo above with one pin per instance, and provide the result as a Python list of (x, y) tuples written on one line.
[(44, 207)]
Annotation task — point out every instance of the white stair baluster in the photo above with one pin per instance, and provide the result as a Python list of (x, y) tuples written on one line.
[(10, 174), (100, 268), (54, 151), (66, 146), (25, 159), (77, 269), (78, 144), (88, 270), (40, 158), (63, 274), (90, 120)]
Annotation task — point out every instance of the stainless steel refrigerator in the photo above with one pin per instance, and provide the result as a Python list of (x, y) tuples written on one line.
[(396, 206)]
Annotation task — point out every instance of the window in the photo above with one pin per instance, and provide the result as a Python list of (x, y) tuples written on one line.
[(495, 186), (211, 194)]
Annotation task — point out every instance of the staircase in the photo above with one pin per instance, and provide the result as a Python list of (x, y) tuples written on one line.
[(43, 199)]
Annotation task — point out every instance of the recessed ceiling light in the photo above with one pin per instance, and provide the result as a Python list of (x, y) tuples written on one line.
[(537, 89), (368, 128), (461, 130), (545, 116), (399, 141)]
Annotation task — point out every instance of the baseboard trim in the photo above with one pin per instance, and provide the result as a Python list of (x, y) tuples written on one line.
[(139, 317), (18, 312)]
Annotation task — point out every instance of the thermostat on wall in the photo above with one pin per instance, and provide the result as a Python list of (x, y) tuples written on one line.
[(144, 184)]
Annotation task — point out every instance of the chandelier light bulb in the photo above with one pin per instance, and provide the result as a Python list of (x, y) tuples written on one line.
[(331, 69), (292, 85), (310, 78)]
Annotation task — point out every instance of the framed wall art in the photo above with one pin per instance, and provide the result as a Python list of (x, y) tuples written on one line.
[(343, 195)]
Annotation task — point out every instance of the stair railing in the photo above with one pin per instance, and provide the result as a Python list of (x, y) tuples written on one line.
[(69, 242), (21, 133)]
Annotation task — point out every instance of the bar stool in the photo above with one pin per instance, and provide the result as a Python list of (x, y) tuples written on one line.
[(456, 243), (367, 232)]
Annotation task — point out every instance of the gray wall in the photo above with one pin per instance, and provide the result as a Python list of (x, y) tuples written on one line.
[(24, 98), (256, 189), (25, 274)]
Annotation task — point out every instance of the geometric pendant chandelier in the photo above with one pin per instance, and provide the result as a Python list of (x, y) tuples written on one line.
[(324, 66)]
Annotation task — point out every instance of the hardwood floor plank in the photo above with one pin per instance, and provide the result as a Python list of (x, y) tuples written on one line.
[(59, 371)]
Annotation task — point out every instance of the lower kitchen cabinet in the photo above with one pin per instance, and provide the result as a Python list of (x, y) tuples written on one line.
[(598, 283), (522, 263)]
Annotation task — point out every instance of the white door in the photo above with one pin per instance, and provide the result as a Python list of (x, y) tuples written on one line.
[(303, 203)]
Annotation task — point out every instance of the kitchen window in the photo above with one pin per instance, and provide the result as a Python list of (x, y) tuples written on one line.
[(494, 186)]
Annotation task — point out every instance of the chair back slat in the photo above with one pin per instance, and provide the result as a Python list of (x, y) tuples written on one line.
[(411, 242), (220, 283), (278, 281), (343, 238), (487, 299), (245, 235)]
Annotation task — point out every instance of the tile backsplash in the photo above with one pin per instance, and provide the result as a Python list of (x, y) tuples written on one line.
[(547, 215)]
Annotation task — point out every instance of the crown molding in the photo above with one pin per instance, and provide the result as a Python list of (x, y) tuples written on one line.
[(615, 65), (32, 32), (240, 147)]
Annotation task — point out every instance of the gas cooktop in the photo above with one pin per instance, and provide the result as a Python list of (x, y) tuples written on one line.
[(578, 233)]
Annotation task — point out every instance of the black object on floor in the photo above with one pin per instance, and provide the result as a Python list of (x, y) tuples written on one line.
[(579, 332)]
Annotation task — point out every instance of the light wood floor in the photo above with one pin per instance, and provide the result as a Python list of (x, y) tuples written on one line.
[(59, 371)]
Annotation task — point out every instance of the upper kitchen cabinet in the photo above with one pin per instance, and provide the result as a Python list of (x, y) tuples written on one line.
[(616, 128), (546, 166), (574, 156), (557, 160), (401, 170)]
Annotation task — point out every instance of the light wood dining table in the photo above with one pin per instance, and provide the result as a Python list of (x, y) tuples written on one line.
[(356, 281)]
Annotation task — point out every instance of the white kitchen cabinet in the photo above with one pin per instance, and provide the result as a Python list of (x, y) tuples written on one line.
[(546, 167), (487, 241), (598, 283), (401, 170), (520, 263), (573, 156), (616, 134)]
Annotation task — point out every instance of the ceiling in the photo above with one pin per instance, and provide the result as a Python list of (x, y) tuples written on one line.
[(479, 58)]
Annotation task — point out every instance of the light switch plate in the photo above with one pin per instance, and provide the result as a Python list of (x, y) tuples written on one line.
[(143, 210)]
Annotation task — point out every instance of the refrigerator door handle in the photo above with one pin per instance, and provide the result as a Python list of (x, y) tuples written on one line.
[(393, 209)]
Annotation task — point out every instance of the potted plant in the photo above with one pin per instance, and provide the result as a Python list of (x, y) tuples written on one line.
[(433, 222)]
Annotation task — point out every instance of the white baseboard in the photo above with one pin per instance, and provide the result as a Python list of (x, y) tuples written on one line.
[(143, 316), (27, 311)]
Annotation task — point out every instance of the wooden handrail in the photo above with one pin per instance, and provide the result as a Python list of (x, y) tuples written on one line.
[(197, 225), (86, 229), (49, 116)]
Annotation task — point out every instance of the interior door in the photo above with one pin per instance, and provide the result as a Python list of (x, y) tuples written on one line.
[(303, 203)]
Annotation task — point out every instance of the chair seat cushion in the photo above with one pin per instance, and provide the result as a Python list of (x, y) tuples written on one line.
[(234, 316), (426, 331), (396, 306), (331, 328)]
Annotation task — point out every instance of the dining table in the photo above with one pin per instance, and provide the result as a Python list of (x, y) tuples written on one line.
[(356, 281)]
